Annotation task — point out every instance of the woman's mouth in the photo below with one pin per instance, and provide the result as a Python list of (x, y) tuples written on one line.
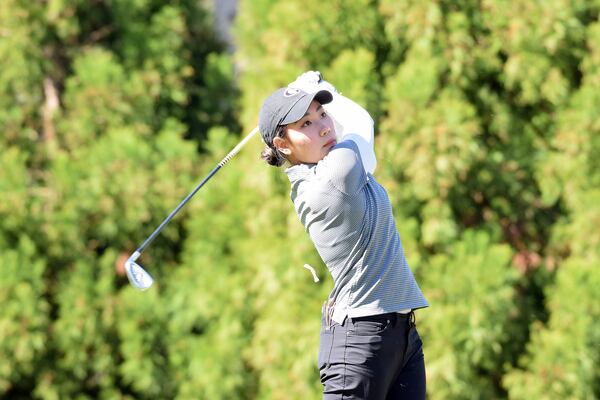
[(330, 143)]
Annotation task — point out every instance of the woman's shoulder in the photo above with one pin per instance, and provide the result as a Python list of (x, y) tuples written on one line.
[(343, 167)]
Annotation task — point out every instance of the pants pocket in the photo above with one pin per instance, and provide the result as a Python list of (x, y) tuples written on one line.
[(368, 326)]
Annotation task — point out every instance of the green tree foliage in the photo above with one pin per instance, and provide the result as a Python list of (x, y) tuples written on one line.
[(93, 156), (24, 316), (487, 141), (22, 80), (472, 295), (562, 358)]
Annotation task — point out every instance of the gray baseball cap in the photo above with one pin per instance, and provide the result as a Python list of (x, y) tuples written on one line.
[(285, 106)]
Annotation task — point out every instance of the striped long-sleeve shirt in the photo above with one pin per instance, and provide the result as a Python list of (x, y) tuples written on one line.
[(348, 216)]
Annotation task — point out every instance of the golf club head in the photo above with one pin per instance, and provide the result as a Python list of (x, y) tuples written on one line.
[(138, 277)]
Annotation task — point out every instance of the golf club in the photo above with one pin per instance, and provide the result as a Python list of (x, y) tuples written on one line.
[(138, 277)]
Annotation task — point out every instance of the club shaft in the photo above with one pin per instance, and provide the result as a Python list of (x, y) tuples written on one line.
[(224, 161)]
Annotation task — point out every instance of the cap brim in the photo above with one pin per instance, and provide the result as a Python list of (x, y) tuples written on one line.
[(299, 109)]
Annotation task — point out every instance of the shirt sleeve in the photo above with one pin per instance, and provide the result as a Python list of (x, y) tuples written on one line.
[(343, 167), (352, 122)]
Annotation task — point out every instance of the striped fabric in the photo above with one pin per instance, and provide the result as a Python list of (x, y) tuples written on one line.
[(349, 218)]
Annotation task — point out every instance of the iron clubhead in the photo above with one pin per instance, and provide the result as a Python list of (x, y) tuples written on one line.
[(138, 277)]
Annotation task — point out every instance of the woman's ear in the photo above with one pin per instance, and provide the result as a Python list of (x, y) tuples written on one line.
[(282, 145)]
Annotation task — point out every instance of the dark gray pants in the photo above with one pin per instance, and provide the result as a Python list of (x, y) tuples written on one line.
[(378, 357)]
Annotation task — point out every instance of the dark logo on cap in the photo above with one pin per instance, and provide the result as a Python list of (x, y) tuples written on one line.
[(290, 92)]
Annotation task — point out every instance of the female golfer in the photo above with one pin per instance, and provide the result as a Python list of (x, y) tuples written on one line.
[(369, 346)]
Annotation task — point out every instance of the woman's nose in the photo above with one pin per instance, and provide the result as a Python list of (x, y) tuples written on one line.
[(324, 131)]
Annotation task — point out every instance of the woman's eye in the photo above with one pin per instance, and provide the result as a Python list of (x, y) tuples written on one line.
[(323, 114), (305, 124)]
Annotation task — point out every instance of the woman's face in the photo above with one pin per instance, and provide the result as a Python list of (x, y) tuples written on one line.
[(308, 140)]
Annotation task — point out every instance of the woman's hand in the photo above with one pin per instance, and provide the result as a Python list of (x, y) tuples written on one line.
[(311, 82)]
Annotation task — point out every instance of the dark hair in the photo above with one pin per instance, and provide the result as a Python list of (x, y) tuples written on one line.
[(271, 154)]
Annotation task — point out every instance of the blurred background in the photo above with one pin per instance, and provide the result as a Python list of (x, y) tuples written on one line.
[(488, 140)]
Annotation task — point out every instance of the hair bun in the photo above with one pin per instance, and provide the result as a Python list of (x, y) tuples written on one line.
[(272, 157)]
